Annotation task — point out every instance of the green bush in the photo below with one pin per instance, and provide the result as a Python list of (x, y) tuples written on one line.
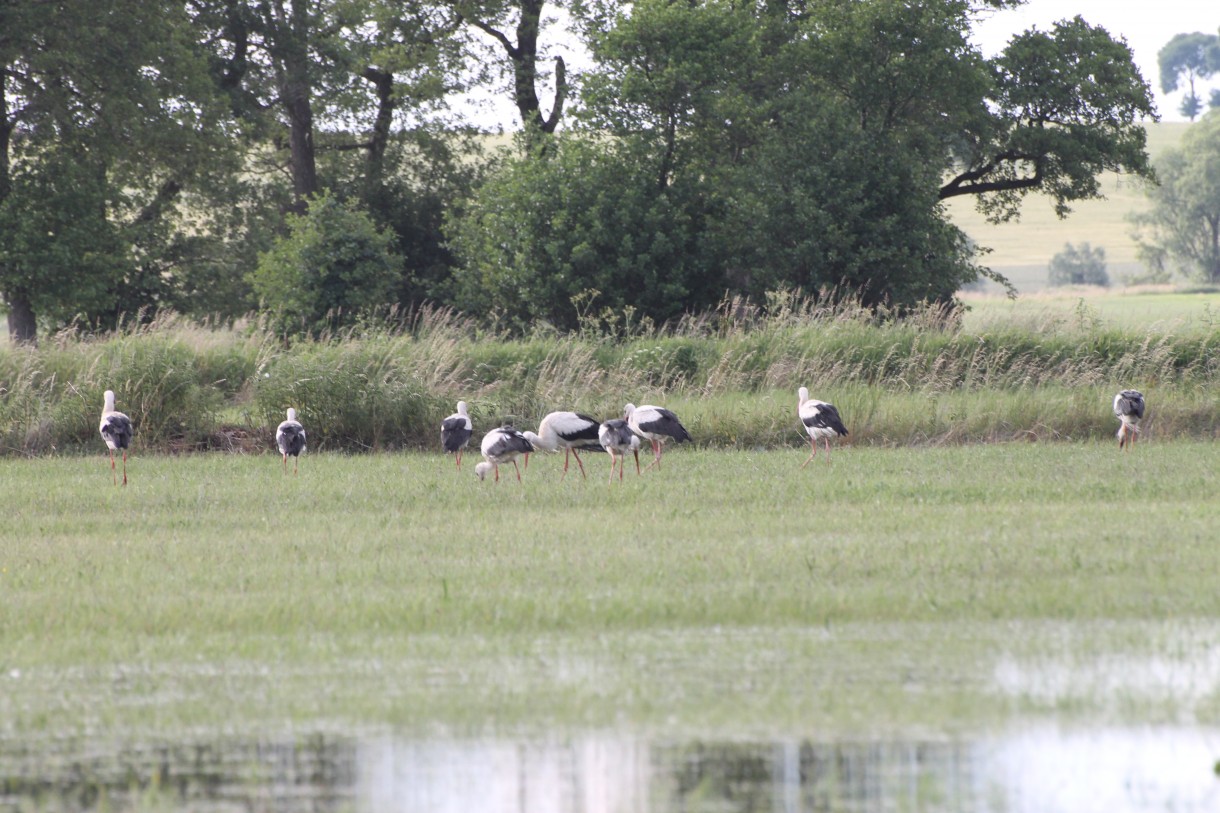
[(333, 268)]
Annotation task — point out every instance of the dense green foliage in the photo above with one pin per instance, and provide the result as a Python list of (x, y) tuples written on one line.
[(711, 148), (334, 267), (1182, 230)]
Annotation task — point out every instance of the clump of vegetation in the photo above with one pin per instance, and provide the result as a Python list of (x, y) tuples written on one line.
[(1079, 265), (732, 372), (334, 267)]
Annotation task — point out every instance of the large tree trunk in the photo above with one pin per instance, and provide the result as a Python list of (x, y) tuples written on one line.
[(296, 93), (22, 326)]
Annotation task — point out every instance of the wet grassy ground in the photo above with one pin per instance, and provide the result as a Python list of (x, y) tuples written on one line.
[(936, 588)]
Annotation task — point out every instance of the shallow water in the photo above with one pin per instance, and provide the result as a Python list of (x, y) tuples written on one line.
[(1040, 769), (1036, 717)]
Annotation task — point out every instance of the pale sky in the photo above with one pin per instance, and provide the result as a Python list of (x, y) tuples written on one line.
[(1146, 25)]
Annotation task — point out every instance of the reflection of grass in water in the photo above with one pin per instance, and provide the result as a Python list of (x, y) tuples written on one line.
[(731, 588)]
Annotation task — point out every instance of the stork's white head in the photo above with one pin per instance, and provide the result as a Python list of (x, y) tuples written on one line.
[(292, 414), (628, 411), (802, 395), (482, 469), (461, 407), (109, 397)]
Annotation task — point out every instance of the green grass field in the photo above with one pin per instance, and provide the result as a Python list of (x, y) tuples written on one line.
[(732, 591)]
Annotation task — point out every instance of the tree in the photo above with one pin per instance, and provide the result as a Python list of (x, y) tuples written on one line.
[(493, 18), (813, 145), (1182, 228), (333, 267), (1079, 265), (1188, 57), (97, 143)]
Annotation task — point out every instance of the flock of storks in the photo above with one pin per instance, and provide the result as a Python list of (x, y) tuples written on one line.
[(574, 432)]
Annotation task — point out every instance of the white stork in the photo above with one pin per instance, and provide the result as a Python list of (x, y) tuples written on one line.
[(456, 431), (617, 438), (290, 440), (116, 431), (820, 419), (501, 446), (1129, 409), (567, 430), (656, 425)]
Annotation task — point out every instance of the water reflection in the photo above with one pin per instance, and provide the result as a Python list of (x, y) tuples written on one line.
[(1033, 770)]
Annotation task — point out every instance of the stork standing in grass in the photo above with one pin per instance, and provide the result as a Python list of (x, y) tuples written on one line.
[(1129, 409), (456, 431), (569, 431), (501, 446), (820, 419), (116, 431), (617, 438), (290, 439), (656, 425)]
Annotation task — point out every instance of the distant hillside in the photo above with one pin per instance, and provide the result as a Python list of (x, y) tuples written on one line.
[(1023, 250)]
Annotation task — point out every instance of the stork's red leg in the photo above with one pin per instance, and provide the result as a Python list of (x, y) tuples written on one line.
[(636, 452), (459, 459), (582, 465), (518, 468), (814, 444), (113, 476), (124, 467)]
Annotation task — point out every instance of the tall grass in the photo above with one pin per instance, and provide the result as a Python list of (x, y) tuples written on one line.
[(731, 374)]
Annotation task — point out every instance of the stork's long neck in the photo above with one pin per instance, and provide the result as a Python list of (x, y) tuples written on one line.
[(109, 405)]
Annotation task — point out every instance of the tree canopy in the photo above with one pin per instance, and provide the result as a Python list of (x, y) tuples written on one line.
[(714, 147), (1182, 229)]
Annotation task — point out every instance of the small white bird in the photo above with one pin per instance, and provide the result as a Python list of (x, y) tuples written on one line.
[(569, 431), (456, 431), (502, 446), (617, 438), (820, 419), (116, 431), (290, 438), (1129, 409), (656, 425)]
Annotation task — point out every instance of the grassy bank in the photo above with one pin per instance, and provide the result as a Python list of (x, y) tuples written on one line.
[(731, 375)]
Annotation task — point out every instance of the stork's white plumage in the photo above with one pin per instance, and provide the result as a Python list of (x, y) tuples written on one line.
[(1129, 409), (820, 419), (656, 425), (502, 446), (569, 431), (617, 438), (290, 440), (456, 431), (116, 431)]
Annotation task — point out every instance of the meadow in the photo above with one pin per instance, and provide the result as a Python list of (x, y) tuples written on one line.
[(729, 591)]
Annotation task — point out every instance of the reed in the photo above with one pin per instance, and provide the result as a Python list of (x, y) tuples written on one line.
[(732, 373)]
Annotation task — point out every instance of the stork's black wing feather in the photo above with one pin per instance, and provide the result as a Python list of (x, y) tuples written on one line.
[(826, 417), (118, 431), (454, 433)]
